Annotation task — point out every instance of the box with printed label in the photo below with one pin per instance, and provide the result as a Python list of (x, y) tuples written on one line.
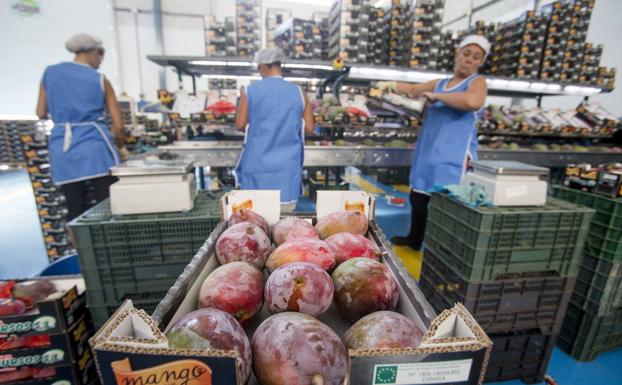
[(52, 315), (132, 346)]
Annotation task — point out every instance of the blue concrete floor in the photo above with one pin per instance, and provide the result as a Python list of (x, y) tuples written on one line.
[(22, 251)]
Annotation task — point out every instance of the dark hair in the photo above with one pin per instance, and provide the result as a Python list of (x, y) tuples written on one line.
[(275, 64)]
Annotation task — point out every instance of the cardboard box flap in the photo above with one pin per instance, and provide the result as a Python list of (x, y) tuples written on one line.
[(330, 201), (266, 203), (131, 327), (453, 327)]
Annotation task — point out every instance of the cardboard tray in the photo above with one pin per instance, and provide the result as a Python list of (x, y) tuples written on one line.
[(132, 345)]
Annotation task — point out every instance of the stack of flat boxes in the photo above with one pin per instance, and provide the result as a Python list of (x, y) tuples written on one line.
[(519, 45), (447, 52), (231, 35), (593, 323), (559, 15), (378, 45), (322, 21), (300, 39), (427, 36), (349, 30), (400, 33), (215, 37), (579, 22), (248, 14), (274, 18), (513, 268), (222, 84), (26, 143)]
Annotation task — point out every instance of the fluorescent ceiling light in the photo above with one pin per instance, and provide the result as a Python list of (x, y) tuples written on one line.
[(234, 77), (498, 83), (239, 64), (19, 117), (553, 87), (538, 86), (582, 90), (518, 84), (309, 66), (208, 63), (298, 79), (4, 167)]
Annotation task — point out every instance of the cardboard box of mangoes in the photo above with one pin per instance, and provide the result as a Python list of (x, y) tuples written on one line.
[(270, 299)]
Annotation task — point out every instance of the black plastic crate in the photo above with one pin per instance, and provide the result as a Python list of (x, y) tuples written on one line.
[(522, 355), (599, 285), (482, 243), (100, 312), (515, 302), (584, 335), (106, 240)]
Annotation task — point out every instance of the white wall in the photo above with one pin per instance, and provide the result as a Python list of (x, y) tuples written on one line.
[(29, 44)]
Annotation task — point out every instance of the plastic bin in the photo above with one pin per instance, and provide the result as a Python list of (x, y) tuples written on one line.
[(584, 335), (126, 255), (148, 301), (483, 243), (516, 302), (599, 285), (520, 355)]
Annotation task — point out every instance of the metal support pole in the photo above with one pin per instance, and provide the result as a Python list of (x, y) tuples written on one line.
[(194, 85), (157, 20)]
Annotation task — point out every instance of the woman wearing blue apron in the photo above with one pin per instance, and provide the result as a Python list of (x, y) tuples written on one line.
[(81, 147), (275, 114), (448, 136)]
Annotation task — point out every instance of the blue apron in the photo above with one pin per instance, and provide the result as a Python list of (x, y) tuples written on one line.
[(273, 150), (446, 138), (81, 145)]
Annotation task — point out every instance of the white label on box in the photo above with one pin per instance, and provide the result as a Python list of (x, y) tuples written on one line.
[(514, 192), (423, 373)]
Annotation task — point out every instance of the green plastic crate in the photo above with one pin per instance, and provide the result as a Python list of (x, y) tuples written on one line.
[(584, 335), (598, 289), (144, 250), (484, 243), (147, 301), (608, 210)]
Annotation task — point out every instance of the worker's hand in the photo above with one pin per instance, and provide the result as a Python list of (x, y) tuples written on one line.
[(386, 86), (431, 96), (124, 153)]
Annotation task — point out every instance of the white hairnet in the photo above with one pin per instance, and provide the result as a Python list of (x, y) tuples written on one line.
[(478, 40), (270, 55), (82, 42)]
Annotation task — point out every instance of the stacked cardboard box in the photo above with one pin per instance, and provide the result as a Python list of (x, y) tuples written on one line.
[(518, 47), (349, 30), (49, 343), (215, 37), (427, 36), (25, 142), (231, 36), (300, 39), (378, 44), (248, 14), (447, 52), (579, 15), (321, 19), (400, 33), (274, 18)]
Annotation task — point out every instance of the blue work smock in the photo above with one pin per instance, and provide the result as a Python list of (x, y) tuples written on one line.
[(447, 138), (273, 150), (81, 145)]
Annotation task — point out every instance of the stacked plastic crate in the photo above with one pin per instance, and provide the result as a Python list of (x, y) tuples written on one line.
[(274, 18), (518, 47), (427, 36), (300, 39), (400, 33), (138, 257), (231, 36), (248, 14), (447, 52), (513, 268), (558, 17), (377, 44), (215, 37), (593, 323), (25, 143), (349, 30)]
